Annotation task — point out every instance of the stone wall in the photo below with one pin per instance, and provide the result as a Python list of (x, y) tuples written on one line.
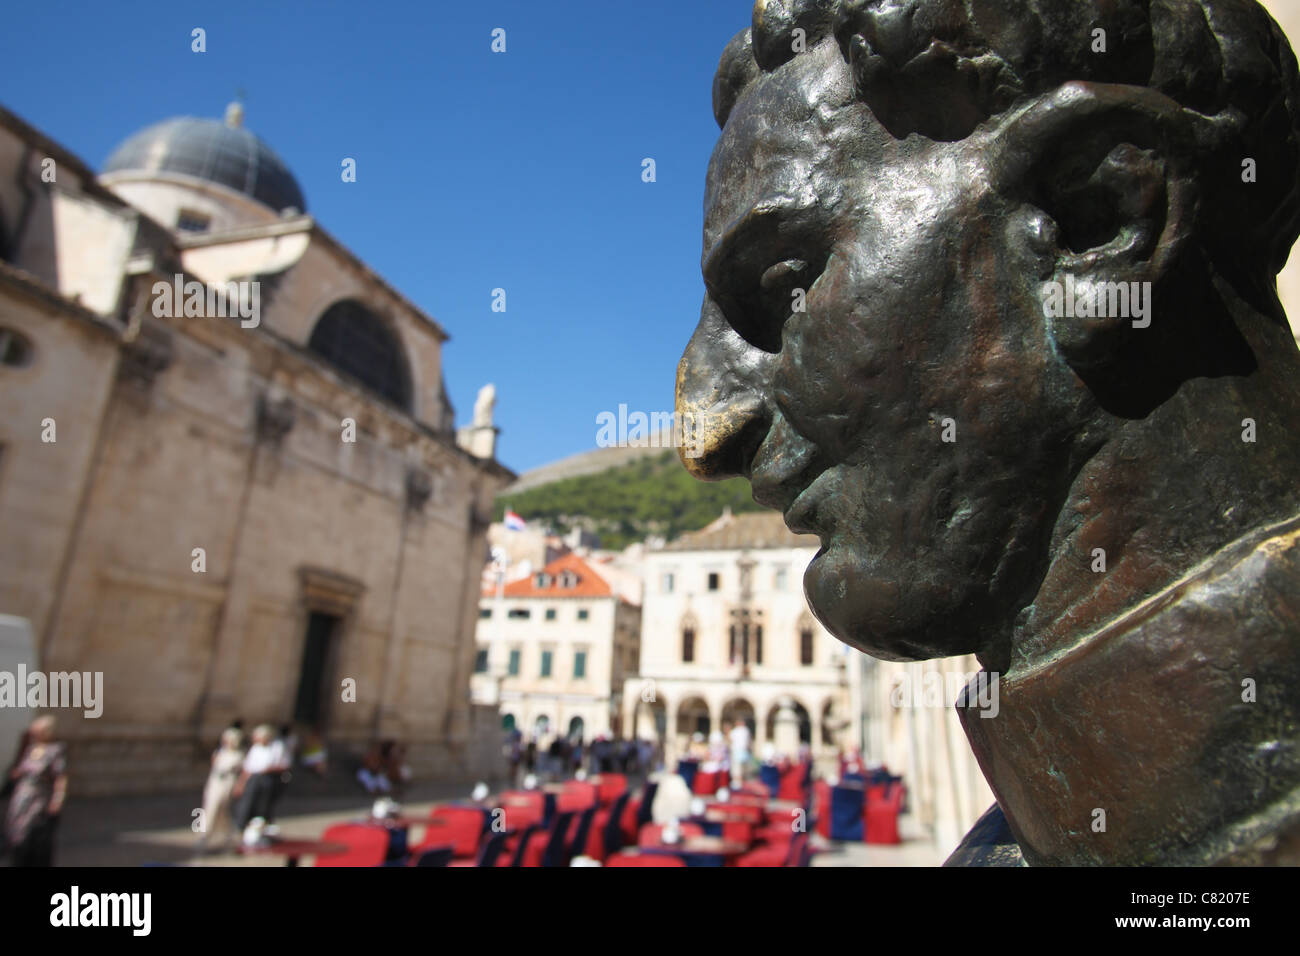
[(236, 448)]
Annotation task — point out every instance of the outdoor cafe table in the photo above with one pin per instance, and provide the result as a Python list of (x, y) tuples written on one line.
[(512, 801), (724, 815), (777, 806), (710, 846), (700, 847), (293, 850), (403, 821)]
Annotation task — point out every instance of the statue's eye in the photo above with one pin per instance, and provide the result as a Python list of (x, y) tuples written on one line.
[(757, 269)]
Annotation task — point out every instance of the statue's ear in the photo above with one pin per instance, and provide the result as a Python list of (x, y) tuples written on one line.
[(1102, 177)]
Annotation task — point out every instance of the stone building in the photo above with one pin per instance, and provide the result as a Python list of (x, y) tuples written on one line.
[(727, 635), (530, 549), (556, 648), (229, 474)]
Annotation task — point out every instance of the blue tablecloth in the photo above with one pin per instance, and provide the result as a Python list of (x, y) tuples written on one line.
[(686, 769), (846, 813)]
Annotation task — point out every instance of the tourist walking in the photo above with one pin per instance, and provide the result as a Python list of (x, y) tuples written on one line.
[(40, 781), (218, 792)]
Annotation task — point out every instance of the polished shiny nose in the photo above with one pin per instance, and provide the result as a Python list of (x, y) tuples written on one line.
[(723, 384)]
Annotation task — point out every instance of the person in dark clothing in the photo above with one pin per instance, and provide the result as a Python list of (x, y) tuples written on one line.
[(530, 755), (625, 756), (255, 788), (514, 754), (558, 754), (40, 784)]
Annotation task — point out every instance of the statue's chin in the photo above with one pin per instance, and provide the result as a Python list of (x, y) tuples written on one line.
[(862, 608)]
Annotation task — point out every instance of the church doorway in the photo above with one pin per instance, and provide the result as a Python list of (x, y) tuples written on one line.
[(309, 707)]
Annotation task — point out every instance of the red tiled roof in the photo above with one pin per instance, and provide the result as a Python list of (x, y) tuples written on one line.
[(589, 584)]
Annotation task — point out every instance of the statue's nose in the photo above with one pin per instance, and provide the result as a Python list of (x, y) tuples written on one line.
[(722, 399)]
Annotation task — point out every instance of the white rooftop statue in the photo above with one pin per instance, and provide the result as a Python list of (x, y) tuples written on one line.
[(479, 438), (483, 405)]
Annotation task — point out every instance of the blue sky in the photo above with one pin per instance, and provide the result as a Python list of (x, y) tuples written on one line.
[(475, 170)]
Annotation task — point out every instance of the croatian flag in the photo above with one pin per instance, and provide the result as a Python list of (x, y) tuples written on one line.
[(513, 521)]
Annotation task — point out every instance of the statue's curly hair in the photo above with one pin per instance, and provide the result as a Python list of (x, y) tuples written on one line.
[(942, 68)]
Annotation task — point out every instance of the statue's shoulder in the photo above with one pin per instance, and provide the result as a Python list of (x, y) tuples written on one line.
[(1280, 548), (989, 843)]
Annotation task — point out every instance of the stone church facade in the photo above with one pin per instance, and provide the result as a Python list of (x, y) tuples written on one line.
[(239, 515)]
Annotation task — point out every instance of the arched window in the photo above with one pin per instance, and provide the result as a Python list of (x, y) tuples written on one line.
[(360, 345), (801, 715), (739, 710), (693, 717)]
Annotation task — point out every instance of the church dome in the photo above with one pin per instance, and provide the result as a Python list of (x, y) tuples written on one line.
[(220, 152)]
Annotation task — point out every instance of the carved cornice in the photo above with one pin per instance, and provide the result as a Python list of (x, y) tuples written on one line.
[(328, 591)]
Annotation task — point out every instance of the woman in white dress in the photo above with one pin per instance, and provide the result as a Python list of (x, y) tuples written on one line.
[(227, 760)]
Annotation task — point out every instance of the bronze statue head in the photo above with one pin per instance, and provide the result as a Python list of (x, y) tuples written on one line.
[(913, 216)]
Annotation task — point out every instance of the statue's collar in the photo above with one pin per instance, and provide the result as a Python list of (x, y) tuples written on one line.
[(1171, 734)]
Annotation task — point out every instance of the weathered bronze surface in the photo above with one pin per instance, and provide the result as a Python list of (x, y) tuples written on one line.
[(908, 209)]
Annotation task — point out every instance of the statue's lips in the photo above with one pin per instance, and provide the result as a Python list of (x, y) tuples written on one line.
[(802, 517)]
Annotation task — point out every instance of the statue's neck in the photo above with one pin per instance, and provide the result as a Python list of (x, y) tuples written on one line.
[(1159, 497)]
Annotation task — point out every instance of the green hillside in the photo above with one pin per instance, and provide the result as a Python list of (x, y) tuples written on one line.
[(650, 496)]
